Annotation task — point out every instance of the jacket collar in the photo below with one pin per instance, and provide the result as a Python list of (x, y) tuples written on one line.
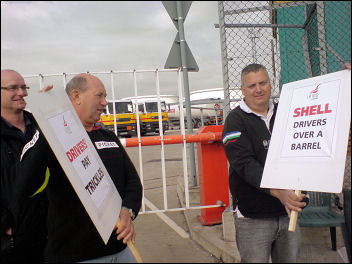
[(266, 119), (6, 127), (246, 109)]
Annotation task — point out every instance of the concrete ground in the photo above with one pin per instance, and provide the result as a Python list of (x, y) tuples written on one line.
[(156, 242)]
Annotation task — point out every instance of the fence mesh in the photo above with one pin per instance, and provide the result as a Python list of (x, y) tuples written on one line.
[(294, 40)]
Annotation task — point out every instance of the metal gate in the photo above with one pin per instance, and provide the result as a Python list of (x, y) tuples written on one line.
[(39, 81)]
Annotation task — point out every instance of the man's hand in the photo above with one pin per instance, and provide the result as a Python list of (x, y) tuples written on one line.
[(289, 199), (126, 228), (9, 232), (347, 66), (47, 88)]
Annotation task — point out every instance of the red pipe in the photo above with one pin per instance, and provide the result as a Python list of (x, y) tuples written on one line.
[(172, 139)]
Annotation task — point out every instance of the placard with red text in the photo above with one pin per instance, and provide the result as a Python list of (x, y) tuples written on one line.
[(78, 157), (310, 135)]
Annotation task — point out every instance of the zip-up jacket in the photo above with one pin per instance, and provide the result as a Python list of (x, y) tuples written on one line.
[(28, 218), (72, 235), (246, 140)]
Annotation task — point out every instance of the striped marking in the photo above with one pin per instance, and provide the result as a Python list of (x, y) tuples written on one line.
[(231, 137), (179, 230)]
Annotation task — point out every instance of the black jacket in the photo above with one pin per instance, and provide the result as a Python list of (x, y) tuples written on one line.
[(27, 219), (72, 235), (246, 147)]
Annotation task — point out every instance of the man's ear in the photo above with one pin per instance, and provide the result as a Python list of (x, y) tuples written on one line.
[(242, 90), (75, 97)]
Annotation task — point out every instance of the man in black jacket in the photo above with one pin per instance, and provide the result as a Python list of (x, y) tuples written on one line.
[(23, 226), (261, 215), (72, 236)]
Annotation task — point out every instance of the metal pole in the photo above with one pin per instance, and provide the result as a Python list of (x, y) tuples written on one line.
[(225, 74), (201, 117), (113, 102), (180, 21), (163, 170), (224, 62), (64, 80), (141, 174), (41, 80), (261, 25), (184, 145), (322, 37), (216, 117)]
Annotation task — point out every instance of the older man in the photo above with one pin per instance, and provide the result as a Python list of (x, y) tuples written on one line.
[(23, 225), (72, 236), (261, 217)]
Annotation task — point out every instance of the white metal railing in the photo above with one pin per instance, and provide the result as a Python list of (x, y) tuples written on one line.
[(182, 128)]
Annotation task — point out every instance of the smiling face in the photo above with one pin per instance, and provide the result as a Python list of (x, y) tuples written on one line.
[(90, 101), (12, 101), (256, 90)]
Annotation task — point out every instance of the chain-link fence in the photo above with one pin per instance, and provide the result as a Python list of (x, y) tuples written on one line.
[(294, 40)]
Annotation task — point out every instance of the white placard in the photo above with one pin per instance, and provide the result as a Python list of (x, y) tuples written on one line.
[(309, 139), (79, 159)]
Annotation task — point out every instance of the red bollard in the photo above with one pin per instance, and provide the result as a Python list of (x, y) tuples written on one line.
[(213, 177)]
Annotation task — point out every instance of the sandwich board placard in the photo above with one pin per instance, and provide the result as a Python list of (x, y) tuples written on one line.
[(309, 139), (79, 159)]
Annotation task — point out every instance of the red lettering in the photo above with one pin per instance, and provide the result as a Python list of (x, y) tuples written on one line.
[(68, 154), (327, 110), (81, 146), (76, 150), (296, 111), (305, 111), (313, 109), (84, 144), (319, 111), (74, 155)]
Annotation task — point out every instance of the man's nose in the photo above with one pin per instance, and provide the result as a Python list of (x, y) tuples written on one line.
[(104, 102), (258, 87), (21, 92)]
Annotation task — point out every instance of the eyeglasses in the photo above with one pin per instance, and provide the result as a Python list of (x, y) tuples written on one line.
[(15, 88)]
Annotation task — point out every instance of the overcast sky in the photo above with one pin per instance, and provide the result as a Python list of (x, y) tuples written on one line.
[(55, 37)]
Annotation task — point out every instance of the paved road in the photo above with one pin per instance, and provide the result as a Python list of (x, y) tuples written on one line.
[(156, 241)]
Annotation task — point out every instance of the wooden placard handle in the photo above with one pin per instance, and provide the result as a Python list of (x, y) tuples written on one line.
[(294, 216), (131, 246)]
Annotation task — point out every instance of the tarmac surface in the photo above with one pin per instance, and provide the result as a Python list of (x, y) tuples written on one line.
[(178, 236)]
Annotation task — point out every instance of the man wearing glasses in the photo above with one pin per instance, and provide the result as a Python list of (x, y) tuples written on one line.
[(23, 226)]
